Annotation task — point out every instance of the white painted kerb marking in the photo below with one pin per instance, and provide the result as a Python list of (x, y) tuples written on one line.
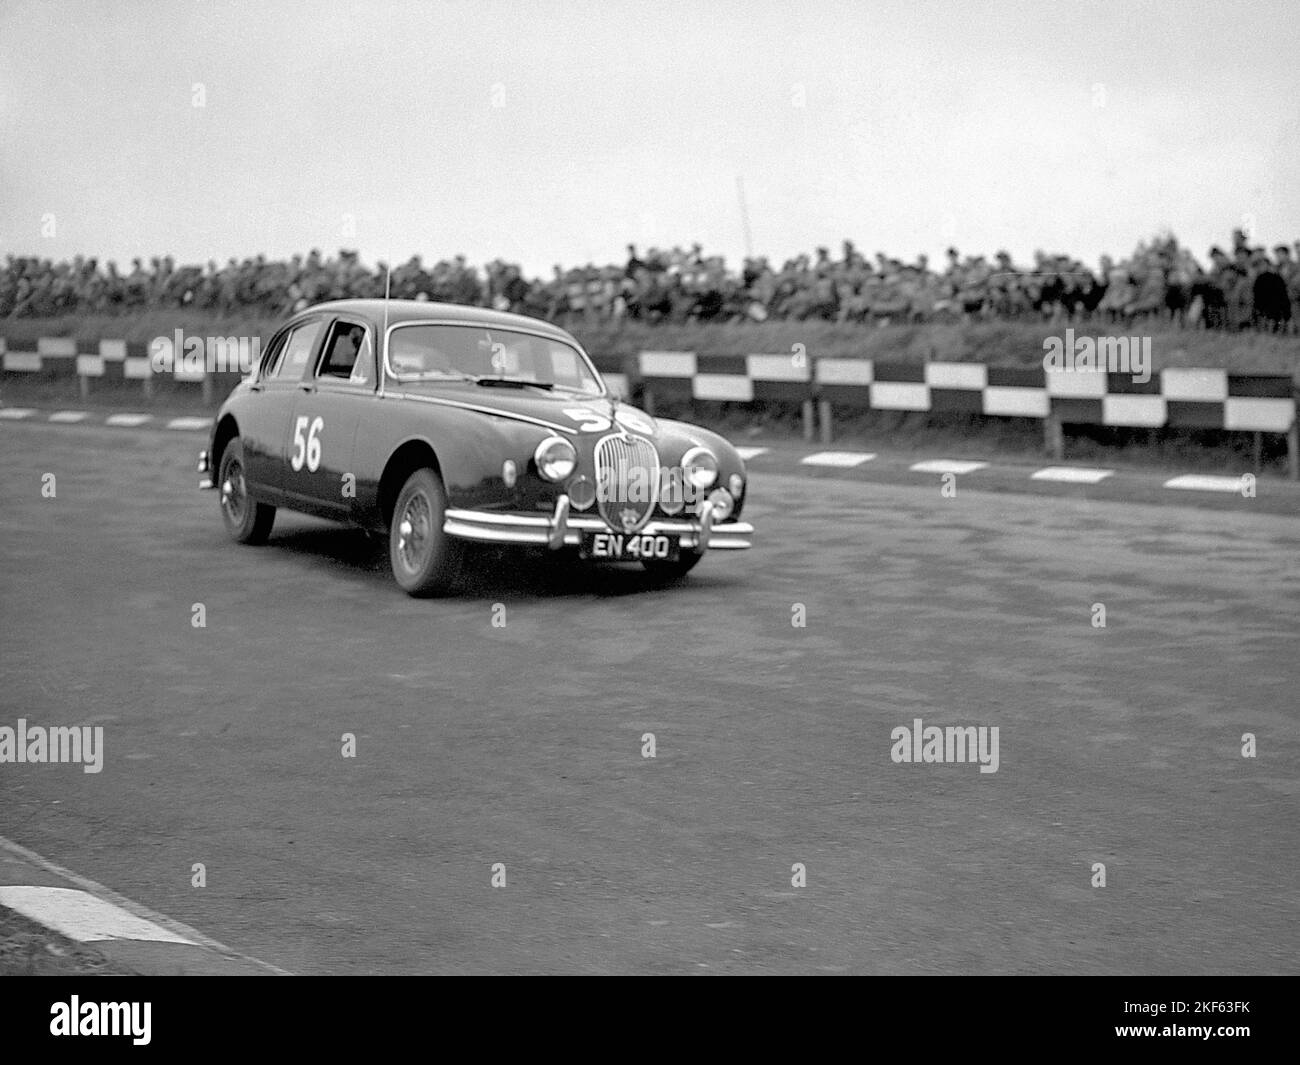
[(947, 466), (837, 458), (1075, 475), (1200, 482), (83, 917), (1070, 474)]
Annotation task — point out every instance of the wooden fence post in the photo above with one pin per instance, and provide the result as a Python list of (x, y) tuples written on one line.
[(1053, 436)]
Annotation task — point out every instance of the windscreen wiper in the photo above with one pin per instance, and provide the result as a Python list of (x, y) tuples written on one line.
[(513, 382)]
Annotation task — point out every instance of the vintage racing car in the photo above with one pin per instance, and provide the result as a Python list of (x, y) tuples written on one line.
[(438, 424)]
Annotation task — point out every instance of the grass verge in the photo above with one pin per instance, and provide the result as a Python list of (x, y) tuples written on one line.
[(31, 949)]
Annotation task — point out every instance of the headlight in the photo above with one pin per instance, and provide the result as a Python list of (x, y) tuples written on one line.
[(700, 467), (555, 458)]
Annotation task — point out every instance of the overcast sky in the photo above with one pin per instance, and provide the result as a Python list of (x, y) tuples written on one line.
[(557, 132)]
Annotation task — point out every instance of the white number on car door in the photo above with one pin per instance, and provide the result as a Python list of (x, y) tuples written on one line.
[(306, 448)]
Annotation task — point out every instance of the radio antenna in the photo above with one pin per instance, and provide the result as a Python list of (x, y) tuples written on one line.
[(388, 287), (744, 218)]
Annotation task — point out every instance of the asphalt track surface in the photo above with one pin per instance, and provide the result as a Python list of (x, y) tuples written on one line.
[(522, 745)]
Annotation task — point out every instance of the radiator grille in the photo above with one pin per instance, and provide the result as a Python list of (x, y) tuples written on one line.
[(627, 481)]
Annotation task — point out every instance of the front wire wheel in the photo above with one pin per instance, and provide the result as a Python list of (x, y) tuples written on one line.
[(424, 559), (661, 570)]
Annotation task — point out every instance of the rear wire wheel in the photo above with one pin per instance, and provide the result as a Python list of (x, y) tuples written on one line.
[(247, 520)]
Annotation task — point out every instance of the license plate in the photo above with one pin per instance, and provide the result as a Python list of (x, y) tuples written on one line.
[(629, 547)]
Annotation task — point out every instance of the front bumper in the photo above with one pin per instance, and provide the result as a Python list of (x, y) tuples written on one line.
[(562, 528)]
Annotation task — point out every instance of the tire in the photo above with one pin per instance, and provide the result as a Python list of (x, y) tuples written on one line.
[(664, 571), (424, 559), (560, 561), (247, 520)]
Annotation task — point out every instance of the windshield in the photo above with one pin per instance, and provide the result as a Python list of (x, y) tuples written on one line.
[(468, 352)]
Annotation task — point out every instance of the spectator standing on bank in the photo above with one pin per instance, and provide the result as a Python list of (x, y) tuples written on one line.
[(1271, 301)]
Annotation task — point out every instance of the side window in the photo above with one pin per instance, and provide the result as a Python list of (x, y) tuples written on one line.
[(363, 373), (273, 352), (348, 355), (289, 365)]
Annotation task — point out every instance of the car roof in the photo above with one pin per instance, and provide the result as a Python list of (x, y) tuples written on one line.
[(427, 310)]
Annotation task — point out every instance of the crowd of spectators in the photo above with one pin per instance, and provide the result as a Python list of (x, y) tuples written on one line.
[(1244, 288)]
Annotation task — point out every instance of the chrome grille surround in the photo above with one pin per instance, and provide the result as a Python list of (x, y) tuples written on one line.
[(616, 456)]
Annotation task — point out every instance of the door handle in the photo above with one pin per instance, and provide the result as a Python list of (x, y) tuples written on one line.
[(307, 386)]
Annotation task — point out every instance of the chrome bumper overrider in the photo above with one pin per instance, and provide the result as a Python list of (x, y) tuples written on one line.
[(563, 528)]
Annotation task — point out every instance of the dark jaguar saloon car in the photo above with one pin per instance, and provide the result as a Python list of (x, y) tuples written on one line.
[(438, 425)]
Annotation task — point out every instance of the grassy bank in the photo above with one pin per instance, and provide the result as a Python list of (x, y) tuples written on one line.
[(1002, 343), (967, 435), (1006, 343)]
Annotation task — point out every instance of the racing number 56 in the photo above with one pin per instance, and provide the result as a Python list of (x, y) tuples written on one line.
[(306, 450)]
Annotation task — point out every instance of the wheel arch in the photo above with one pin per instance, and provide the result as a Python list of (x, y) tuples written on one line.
[(227, 430), (408, 457)]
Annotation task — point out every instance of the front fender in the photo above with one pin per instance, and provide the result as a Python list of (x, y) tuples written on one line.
[(472, 450)]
